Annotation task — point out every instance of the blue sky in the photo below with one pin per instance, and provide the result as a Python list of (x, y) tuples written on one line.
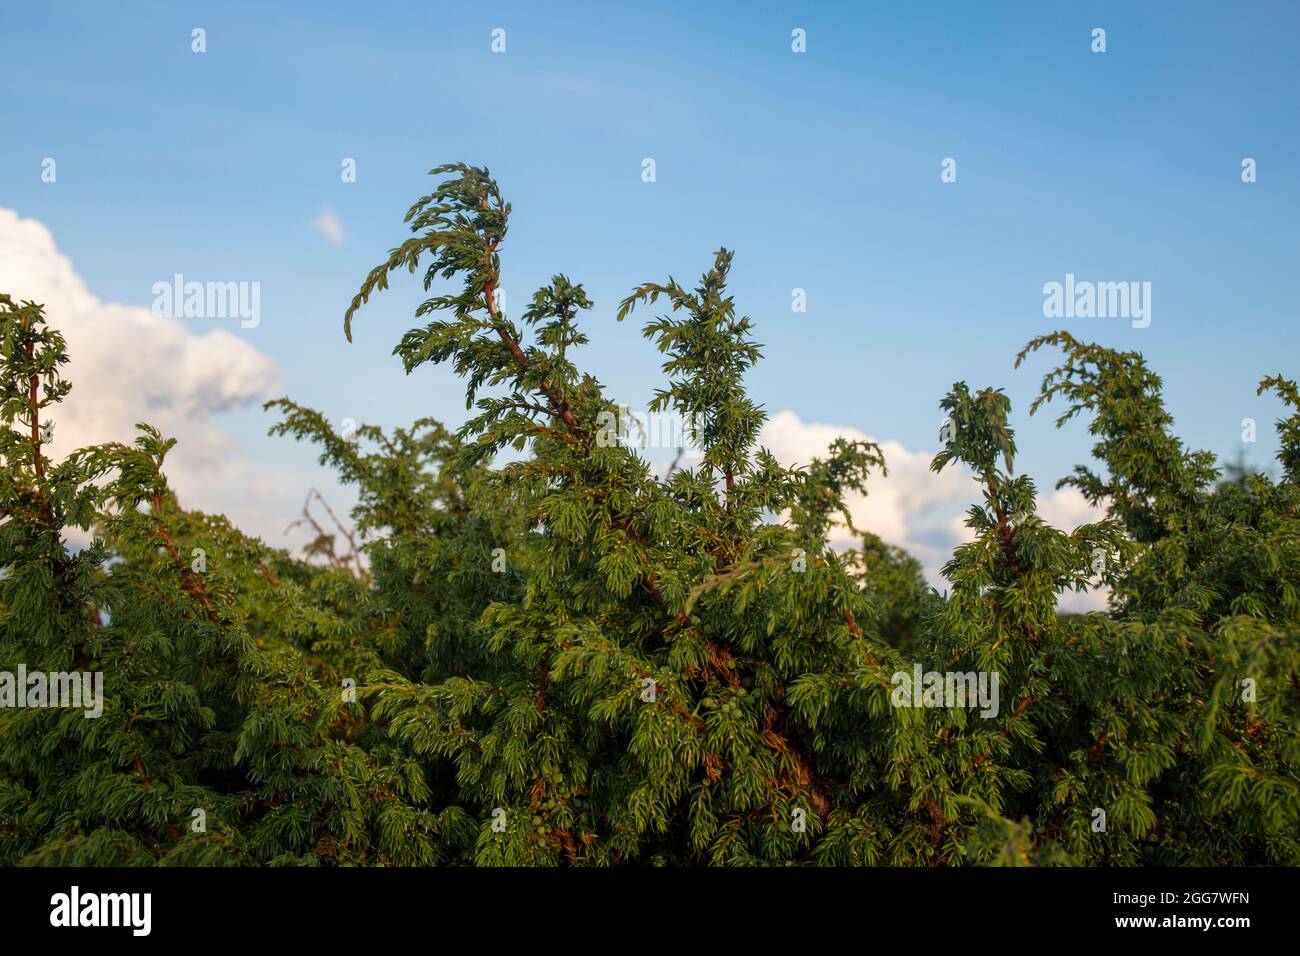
[(820, 169)]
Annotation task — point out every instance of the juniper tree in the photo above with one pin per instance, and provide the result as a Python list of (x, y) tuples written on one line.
[(667, 591), (214, 746), (1195, 680)]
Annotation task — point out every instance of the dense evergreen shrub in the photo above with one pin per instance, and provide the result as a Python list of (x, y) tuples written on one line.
[(557, 656)]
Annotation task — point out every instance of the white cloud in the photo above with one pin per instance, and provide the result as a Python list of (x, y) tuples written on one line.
[(913, 507), (328, 225), (900, 507), (127, 366), (1064, 509)]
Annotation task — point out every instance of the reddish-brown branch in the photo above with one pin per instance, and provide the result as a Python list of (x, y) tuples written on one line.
[(541, 684), (1004, 530), (570, 848), (853, 625), (1008, 544), (681, 711), (324, 541), (193, 585), (1094, 757), (33, 398), (776, 737), (46, 515), (562, 409)]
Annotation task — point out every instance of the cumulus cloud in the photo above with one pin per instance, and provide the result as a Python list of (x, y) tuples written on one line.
[(899, 507), (328, 225), (129, 366), (913, 507), (1064, 509)]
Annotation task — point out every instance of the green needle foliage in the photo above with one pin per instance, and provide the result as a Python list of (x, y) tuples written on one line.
[(544, 653)]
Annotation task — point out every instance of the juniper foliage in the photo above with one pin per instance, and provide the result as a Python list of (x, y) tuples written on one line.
[(549, 654)]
